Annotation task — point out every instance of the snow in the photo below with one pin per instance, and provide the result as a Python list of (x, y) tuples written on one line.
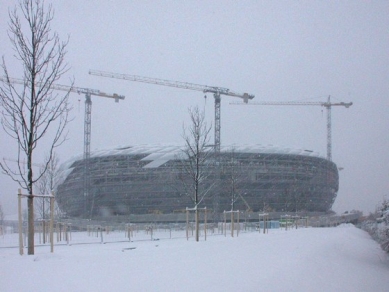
[(342, 258)]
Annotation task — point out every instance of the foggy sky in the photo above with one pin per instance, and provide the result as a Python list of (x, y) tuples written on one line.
[(277, 50)]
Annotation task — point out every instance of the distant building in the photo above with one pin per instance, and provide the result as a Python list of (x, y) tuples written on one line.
[(148, 179)]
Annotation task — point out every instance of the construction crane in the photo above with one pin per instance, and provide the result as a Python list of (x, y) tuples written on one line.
[(88, 105), (5, 159), (247, 204), (87, 118), (327, 104), (217, 92)]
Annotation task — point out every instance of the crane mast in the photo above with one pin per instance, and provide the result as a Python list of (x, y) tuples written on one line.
[(87, 118), (216, 91), (327, 104)]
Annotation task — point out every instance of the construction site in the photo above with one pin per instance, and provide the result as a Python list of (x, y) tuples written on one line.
[(147, 179)]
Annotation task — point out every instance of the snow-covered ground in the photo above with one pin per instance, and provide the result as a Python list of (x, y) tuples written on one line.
[(341, 258)]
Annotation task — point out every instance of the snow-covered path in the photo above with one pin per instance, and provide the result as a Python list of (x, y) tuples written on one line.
[(311, 259)]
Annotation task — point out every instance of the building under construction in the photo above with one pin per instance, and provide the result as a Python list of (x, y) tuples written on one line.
[(150, 179)]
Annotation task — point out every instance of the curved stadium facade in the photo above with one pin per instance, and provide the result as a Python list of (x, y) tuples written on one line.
[(149, 179)]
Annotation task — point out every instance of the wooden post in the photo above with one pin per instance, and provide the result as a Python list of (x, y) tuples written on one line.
[(128, 231), (66, 230), (225, 224), (38, 227), (232, 223), (264, 223), (20, 222), (57, 230), (237, 231), (44, 229), (187, 224), (205, 224), (52, 223)]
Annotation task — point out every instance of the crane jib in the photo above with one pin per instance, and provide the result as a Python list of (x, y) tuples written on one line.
[(178, 84)]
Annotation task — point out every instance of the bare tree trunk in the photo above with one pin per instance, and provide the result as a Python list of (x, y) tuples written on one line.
[(30, 210), (30, 198)]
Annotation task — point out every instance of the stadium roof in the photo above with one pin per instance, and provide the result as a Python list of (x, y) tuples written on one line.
[(159, 154), (168, 149)]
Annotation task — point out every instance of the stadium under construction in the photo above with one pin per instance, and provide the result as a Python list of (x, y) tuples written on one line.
[(149, 179)]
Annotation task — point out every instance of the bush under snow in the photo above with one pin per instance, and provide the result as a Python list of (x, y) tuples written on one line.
[(378, 226)]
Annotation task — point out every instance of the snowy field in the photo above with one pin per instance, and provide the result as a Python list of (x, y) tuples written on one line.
[(341, 258)]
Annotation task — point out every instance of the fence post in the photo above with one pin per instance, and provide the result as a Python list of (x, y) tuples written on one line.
[(101, 233), (205, 224), (20, 222), (52, 223), (187, 224), (232, 223), (238, 229), (225, 224)]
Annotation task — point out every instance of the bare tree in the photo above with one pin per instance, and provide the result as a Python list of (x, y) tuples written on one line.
[(29, 113), (46, 185), (233, 175), (195, 161), (233, 179)]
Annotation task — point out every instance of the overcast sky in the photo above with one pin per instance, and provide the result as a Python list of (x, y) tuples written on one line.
[(277, 50)]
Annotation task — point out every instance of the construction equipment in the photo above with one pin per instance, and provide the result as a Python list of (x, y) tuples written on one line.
[(87, 118), (5, 159), (248, 210), (88, 105), (327, 104), (217, 92)]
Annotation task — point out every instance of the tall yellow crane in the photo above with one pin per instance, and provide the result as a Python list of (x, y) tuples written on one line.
[(217, 92), (87, 118), (327, 104)]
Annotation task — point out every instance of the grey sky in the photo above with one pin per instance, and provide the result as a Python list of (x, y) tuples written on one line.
[(277, 50)]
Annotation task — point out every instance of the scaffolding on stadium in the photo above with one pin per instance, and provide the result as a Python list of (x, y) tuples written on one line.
[(147, 180)]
